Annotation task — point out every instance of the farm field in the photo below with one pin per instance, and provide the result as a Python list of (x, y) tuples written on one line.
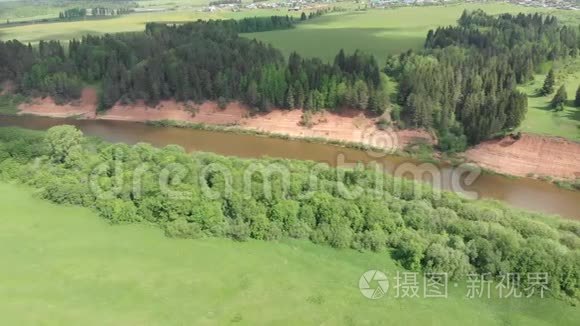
[(27, 10), (127, 23), (376, 31), (14, 11), (67, 266), (540, 118), (379, 32)]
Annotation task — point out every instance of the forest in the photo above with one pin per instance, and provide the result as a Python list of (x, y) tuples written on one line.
[(78, 13), (464, 82), (204, 60), (462, 85), (207, 195)]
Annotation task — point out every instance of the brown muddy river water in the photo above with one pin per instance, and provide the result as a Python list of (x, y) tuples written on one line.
[(524, 193)]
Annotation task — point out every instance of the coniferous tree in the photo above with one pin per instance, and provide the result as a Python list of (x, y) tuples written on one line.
[(560, 98), (300, 96), (252, 95), (309, 103), (548, 86), (465, 79), (290, 98)]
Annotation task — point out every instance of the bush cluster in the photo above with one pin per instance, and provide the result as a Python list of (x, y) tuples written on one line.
[(422, 228)]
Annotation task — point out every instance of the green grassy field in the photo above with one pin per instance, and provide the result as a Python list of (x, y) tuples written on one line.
[(376, 31), (541, 119), (127, 23), (14, 11), (26, 10), (379, 32), (64, 265)]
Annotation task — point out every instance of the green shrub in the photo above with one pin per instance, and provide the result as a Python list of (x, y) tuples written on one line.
[(422, 231)]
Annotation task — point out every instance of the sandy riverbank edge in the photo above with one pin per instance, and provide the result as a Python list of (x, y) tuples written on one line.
[(530, 156)]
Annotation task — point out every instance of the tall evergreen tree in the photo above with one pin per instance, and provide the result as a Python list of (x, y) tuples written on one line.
[(549, 82), (290, 98), (560, 98), (252, 95)]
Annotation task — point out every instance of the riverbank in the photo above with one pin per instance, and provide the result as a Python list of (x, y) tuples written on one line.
[(529, 156), (349, 126), (541, 157)]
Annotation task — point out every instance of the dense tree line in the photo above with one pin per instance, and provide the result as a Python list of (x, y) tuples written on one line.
[(464, 83), (423, 230), (72, 13), (104, 11), (205, 60), (262, 24), (75, 13), (224, 2), (320, 12), (97, 11)]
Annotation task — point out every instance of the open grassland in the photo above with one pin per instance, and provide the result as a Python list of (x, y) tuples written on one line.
[(541, 118), (169, 4), (127, 23), (379, 32), (64, 265), (28, 10), (14, 11), (376, 31)]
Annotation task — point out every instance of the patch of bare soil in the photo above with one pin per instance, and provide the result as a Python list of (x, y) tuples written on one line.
[(342, 127), (84, 107), (531, 155), (208, 112), (349, 126)]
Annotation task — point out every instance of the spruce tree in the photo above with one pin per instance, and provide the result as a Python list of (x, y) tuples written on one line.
[(559, 98), (290, 98), (252, 95), (548, 87)]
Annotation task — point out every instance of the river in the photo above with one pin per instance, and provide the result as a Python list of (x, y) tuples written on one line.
[(524, 193)]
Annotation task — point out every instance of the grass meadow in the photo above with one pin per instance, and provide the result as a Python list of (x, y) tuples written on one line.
[(127, 23), (541, 118), (64, 265), (380, 32)]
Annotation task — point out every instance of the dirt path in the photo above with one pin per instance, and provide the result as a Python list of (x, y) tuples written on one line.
[(531, 155)]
